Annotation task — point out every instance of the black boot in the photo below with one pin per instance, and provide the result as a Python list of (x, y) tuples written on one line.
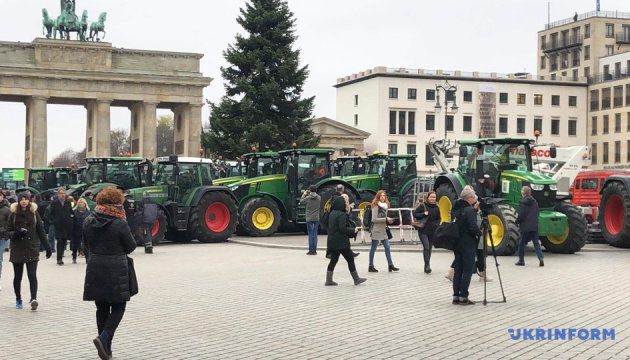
[(103, 344), (427, 268), (148, 250), (393, 268), (372, 269), (355, 254)]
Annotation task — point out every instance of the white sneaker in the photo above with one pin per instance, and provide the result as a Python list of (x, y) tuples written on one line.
[(34, 304), (450, 274), (482, 274)]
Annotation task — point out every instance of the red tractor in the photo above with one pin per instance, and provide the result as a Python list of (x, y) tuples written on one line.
[(614, 210)]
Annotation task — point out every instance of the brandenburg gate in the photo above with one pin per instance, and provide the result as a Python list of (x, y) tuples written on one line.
[(97, 75)]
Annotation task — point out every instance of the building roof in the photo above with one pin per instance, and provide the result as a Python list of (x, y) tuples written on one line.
[(588, 15), (336, 124)]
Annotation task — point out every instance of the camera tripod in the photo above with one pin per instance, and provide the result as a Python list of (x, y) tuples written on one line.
[(486, 231)]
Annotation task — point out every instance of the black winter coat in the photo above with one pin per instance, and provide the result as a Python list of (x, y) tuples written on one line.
[(79, 218), (5, 213), (41, 209), (26, 249), (469, 231), (61, 217), (107, 240), (528, 214), (339, 231), (433, 219)]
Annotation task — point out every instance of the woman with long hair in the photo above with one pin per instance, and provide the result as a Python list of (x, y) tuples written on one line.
[(378, 229), (427, 215), (81, 212)]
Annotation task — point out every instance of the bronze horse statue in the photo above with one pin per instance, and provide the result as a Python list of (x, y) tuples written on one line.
[(97, 27), (48, 24)]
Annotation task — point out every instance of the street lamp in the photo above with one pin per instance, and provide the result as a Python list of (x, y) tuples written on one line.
[(438, 107)]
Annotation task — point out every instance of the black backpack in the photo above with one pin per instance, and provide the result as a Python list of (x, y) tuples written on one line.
[(367, 216), (446, 235), (324, 219)]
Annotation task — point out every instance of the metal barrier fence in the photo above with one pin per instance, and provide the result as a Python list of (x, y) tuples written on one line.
[(401, 227)]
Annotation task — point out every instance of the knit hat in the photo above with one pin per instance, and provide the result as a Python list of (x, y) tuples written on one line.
[(23, 195)]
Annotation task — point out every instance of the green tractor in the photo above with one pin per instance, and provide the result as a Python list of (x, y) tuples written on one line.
[(265, 201), (253, 165), (345, 166), (191, 206), (47, 179), (499, 168)]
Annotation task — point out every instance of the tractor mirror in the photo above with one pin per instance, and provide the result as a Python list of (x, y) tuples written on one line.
[(463, 151), (388, 168), (553, 152)]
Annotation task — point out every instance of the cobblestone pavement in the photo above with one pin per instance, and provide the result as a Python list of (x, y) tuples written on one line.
[(232, 301)]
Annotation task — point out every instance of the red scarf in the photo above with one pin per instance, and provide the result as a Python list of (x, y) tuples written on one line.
[(111, 210)]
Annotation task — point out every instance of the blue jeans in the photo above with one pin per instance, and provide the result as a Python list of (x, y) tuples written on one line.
[(312, 227), (3, 244), (464, 268), (388, 253), (51, 237), (525, 238)]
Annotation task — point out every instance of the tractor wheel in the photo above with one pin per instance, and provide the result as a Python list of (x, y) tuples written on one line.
[(505, 234), (326, 193), (177, 236), (214, 218), (614, 215), (407, 201), (159, 229), (446, 197), (575, 235), (260, 217)]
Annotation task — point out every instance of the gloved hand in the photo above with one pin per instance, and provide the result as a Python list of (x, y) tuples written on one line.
[(17, 235), (48, 253)]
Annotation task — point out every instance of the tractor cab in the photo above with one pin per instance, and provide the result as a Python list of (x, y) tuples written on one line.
[(120, 171), (345, 166), (304, 168), (253, 165), (51, 178), (181, 175), (397, 173)]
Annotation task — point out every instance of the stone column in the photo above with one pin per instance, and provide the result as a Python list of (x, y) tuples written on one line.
[(98, 137), (149, 130), (194, 131), (137, 128), (36, 141)]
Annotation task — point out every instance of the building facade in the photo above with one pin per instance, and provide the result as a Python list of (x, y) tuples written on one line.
[(397, 107), (343, 139)]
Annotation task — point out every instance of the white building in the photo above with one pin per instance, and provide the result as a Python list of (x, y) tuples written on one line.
[(397, 106)]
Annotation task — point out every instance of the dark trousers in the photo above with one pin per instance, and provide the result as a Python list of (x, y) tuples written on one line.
[(525, 238), (75, 245), (480, 261), (147, 239), (108, 316), (427, 245), (61, 246), (464, 267), (347, 254), (31, 272)]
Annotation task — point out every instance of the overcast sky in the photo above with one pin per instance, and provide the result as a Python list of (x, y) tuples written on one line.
[(337, 38)]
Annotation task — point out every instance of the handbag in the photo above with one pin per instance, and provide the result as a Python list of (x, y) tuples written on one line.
[(133, 279), (389, 233), (419, 224)]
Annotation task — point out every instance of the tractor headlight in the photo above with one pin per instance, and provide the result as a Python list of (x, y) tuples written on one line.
[(553, 187), (233, 188), (537, 187)]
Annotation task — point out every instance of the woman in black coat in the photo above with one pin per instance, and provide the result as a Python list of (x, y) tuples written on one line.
[(26, 231), (427, 214), (107, 240), (81, 212), (339, 232)]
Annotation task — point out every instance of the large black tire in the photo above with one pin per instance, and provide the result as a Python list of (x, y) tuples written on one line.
[(505, 234), (159, 229), (446, 192), (326, 193), (177, 236), (214, 218), (270, 217), (577, 232), (614, 215), (407, 200)]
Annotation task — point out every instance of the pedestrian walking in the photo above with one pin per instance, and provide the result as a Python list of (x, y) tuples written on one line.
[(5, 213), (81, 212), (312, 201), (61, 217), (527, 220), (427, 216), (378, 229), (338, 243), (107, 242), (466, 246), (130, 211), (44, 213), (26, 231), (148, 216)]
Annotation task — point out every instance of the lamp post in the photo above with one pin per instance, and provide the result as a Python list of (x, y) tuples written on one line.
[(446, 87)]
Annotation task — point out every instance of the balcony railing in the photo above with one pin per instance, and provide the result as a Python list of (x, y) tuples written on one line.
[(594, 105), (605, 77), (603, 14), (623, 38), (564, 43)]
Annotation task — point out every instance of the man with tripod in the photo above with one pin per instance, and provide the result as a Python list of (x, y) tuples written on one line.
[(466, 247), (528, 222)]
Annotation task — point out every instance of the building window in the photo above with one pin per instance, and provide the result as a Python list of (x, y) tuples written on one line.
[(430, 94), (392, 123), (610, 50), (538, 99), (450, 123), (628, 120), (411, 148), (572, 100), (538, 125), (467, 123), (402, 122), (543, 40), (617, 123), (565, 60), (520, 99), (628, 91), (576, 74), (593, 154), (503, 98), (594, 125), (393, 93), (393, 148), (607, 73), (428, 157), (587, 52), (503, 125), (618, 96), (587, 31), (543, 62), (430, 126), (628, 151), (575, 58), (412, 94), (555, 100), (605, 155), (520, 125), (572, 127), (617, 151), (605, 98), (467, 96), (356, 119), (411, 127), (555, 127), (450, 95), (553, 76), (610, 30), (554, 62), (356, 100), (594, 100), (605, 125)]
